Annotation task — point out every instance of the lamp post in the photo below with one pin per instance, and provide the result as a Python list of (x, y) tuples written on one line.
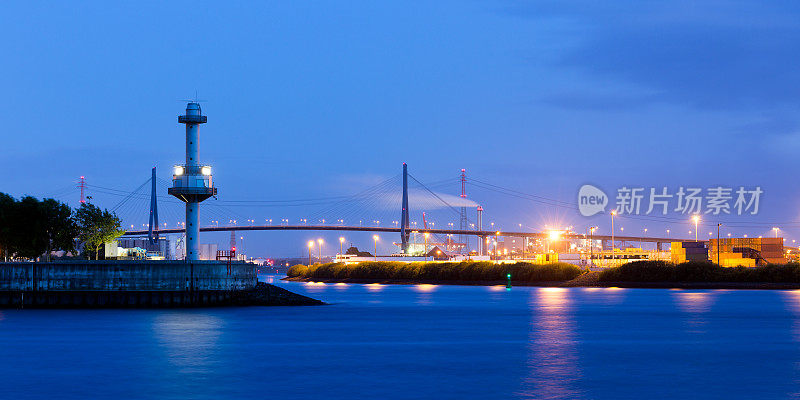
[(640, 242), (718, 243), (375, 238), (319, 242), (613, 254), (696, 219), (425, 236), (310, 249), (496, 239), (591, 244), (776, 232), (341, 245)]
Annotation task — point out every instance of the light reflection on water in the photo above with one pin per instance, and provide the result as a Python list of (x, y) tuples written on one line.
[(695, 304), (425, 288), (553, 362), (189, 339), (424, 294), (406, 341), (792, 300), (375, 287), (315, 287), (606, 295)]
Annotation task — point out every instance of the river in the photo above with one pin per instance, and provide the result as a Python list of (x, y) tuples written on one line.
[(417, 341)]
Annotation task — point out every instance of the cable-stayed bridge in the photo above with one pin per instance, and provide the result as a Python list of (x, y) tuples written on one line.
[(401, 204)]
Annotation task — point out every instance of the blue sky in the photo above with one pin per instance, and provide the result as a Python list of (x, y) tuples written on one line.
[(309, 100)]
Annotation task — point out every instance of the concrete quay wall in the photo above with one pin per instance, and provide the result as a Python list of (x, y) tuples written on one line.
[(123, 283)]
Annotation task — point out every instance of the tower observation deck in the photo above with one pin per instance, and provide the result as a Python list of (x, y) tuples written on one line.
[(192, 182)]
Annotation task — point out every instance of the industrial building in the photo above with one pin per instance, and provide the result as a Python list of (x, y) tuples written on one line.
[(133, 248), (748, 252), (688, 251), (731, 252)]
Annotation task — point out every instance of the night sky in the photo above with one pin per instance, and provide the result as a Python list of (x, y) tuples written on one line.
[(323, 99)]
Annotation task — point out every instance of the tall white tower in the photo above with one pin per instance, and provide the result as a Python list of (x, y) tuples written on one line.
[(191, 182)]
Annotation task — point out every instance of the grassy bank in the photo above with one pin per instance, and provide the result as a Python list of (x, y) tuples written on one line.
[(661, 271), (468, 271)]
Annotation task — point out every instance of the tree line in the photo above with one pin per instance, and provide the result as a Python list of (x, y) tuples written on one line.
[(31, 228)]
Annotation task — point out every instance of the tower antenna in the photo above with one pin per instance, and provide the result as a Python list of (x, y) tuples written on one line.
[(82, 186)]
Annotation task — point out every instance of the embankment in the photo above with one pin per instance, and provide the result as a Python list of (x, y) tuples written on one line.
[(97, 284), (638, 274), (461, 273), (700, 275)]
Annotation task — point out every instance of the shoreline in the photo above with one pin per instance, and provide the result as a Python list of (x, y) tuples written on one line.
[(263, 294), (586, 282)]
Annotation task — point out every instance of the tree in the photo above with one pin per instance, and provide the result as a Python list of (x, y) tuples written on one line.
[(59, 226), (27, 226), (97, 227), (7, 204), (30, 228)]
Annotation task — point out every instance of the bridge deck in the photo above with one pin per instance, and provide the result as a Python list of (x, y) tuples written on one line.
[(481, 233)]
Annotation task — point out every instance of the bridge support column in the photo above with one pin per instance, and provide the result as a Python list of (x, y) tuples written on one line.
[(658, 246), (152, 230), (404, 215), (478, 227)]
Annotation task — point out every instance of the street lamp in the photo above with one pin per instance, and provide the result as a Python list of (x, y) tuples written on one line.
[(375, 238), (696, 219), (591, 244), (319, 242), (341, 245), (718, 241), (310, 249), (426, 235), (613, 255), (640, 242), (776, 232), (496, 239)]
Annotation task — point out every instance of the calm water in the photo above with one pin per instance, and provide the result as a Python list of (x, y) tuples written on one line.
[(401, 342)]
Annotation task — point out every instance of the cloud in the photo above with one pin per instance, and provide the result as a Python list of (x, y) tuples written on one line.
[(713, 55)]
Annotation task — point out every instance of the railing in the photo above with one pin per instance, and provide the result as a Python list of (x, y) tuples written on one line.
[(192, 181), (197, 119)]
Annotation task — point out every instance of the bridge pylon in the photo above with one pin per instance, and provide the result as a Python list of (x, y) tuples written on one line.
[(404, 224), (152, 230)]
